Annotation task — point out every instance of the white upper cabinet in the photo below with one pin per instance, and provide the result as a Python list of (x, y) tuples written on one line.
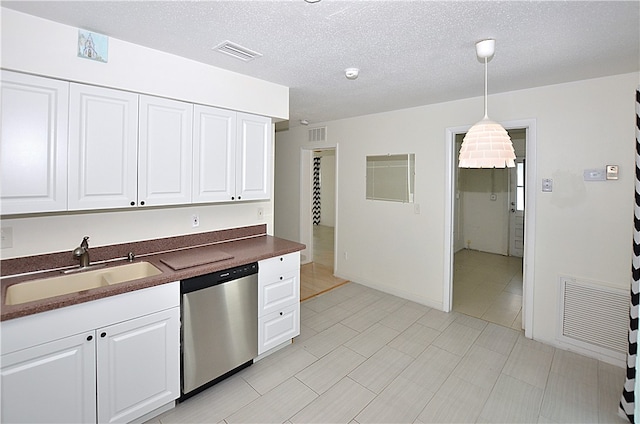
[(165, 152), (231, 155), (214, 154), (254, 155), (33, 144), (103, 142)]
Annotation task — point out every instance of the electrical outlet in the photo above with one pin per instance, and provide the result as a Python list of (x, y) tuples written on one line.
[(195, 221), (260, 214), (6, 236), (346, 256)]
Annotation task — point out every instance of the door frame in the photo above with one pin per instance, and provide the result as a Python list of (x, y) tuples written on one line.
[(306, 202), (529, 216)]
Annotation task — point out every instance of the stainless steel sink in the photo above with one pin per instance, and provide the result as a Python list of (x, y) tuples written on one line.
[(45, 288)]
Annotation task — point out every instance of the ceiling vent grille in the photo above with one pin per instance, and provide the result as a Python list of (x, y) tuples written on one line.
[(318, 134), (237, 51)]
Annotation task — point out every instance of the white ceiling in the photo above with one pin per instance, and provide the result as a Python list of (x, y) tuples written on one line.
[(410, 53)]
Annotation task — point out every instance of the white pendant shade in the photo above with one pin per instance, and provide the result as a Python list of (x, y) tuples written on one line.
[(487, 145)]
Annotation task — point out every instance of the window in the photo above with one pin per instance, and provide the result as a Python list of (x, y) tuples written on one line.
[(391, 177)]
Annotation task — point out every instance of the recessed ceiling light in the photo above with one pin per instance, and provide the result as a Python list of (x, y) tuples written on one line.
[(312, 1)]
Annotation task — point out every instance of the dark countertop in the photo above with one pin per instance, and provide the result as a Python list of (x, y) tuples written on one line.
[(246, 250)]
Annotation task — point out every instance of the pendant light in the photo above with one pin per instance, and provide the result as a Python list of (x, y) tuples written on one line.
[(487, 144)]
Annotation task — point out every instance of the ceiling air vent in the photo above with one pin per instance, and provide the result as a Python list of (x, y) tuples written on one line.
[(237, 51), (318, 134)]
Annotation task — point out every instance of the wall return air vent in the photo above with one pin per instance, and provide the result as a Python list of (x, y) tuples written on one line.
[(237, 51), (318, 134)]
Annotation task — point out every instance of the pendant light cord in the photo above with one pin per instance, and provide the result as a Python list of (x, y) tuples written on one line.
[(486, 116)]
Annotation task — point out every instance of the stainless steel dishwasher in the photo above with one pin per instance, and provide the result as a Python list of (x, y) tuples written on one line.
[(219, 326)]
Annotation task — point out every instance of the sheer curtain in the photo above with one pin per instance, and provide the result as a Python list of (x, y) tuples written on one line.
[(628, 405)]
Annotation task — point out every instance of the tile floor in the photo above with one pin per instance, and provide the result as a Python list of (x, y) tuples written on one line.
[(488, 286), (366, 356)]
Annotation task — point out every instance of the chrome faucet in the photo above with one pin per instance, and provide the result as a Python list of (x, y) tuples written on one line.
[(82, 253)]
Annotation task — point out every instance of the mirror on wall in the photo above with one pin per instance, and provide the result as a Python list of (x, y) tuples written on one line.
[(391, 177)]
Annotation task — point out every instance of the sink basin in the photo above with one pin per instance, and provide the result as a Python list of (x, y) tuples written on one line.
[(72, 283)]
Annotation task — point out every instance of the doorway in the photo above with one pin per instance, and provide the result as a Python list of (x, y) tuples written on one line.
[(317, 275), (483, 267)]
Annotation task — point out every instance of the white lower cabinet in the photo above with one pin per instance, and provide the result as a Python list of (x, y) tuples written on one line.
[(137, 362), (110, 373), (278, 300), (51, 383)]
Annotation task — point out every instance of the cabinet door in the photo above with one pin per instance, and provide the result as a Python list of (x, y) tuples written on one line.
[(278, 327), (50, 383), (138, 366), (165, 158), (254, 157), (33, 144), (214, 154), (103, 143)]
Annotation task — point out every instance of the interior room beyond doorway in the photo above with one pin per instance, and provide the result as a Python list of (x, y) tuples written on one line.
[(317, 276)]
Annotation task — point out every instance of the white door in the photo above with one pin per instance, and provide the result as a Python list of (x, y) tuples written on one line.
[(103, 144), (214, 154), (165, 152), (516, 209), (253, 179), (50, 383), (33, 144), (138, 366)]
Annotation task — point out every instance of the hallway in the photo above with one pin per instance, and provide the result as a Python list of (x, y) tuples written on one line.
[(317, 277)]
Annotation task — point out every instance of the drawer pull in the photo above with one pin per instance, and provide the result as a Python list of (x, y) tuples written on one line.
[(103, 334), (281, 277), (89, 338), (280, 313)]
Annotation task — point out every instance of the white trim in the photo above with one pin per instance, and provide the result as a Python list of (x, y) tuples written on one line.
[(529, 216)]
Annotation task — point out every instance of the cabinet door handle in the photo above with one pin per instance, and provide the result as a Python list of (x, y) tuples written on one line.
[(281, 259), (89, 338), (142, 203), (239, 197), (233, 198), (281, 277), (133, 203), (103, 334), (280, 313)]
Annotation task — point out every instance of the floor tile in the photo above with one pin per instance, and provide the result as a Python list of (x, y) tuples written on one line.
[(529, 365), (498, 338), (414, 340), (457, 338), (270, 372), (340, 404), (437, 320), (213, 404), (327, 340), (379, 370), (405, 316), (278, 405), (512, 401), (330, 369), (400, 402), (457, 401), (566, 400), (480, 367), (372, 339)]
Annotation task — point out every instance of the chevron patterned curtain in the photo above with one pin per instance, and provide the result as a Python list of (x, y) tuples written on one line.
[(316, 191), (627, 403)]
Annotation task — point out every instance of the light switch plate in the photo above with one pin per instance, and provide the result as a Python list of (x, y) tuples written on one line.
[(547, 185)]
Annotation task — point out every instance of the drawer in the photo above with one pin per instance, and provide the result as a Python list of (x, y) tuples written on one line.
[(279, 264), (281, 291), (278, 327)]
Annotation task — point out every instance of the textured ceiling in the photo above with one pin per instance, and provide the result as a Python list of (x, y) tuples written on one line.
[(410, 52)]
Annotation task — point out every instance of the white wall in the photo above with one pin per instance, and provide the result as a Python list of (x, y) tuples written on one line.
[(582, 229), (35, 45), (42, 47)]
